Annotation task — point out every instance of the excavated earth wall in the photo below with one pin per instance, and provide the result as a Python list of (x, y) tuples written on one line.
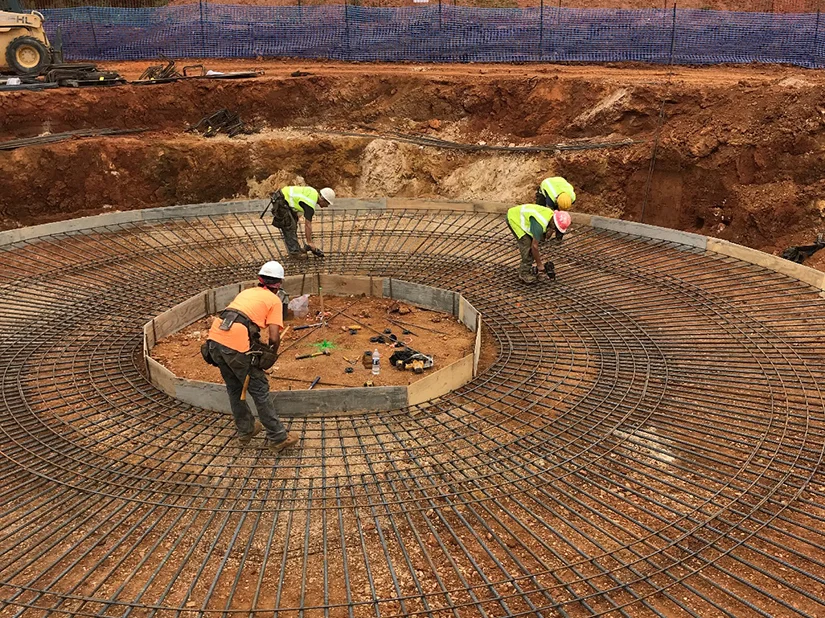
[(738, 151)]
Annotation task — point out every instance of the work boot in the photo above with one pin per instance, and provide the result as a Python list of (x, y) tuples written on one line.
[(528, 279), (298, 255), (258, 428), (277, 447)]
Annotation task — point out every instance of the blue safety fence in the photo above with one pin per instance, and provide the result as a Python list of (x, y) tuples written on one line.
[(437, 33)]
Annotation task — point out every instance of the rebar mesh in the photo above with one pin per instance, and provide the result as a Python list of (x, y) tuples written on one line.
[(648, 442)]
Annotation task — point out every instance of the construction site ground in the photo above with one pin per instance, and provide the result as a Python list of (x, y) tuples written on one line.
[(433, 333), (739, 155), (645, 435)]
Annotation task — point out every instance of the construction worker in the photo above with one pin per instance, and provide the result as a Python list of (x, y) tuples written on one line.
[(234, 346), (288, 204), (556, 193), (530, 223)]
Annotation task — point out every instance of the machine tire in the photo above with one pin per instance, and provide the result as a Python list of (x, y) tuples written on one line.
[(27, 56)]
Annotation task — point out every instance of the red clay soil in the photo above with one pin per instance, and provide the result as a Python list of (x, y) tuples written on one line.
[(739, 155), (430, 332)]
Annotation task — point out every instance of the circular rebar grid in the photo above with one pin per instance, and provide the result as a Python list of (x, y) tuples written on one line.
[(649, 441)]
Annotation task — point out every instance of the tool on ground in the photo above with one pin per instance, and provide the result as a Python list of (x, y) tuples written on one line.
[(303, 326), (314, 250), (314, 354), (314, 382), (245, 386), (349, 370), (368, 383), (411, 359)]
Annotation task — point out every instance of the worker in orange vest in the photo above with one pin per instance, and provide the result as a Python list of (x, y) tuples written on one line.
[(234, 346)]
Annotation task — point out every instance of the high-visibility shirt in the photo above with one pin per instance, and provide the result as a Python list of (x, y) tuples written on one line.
[(552, 187), (518, 217), (259, 305), (300, 198)]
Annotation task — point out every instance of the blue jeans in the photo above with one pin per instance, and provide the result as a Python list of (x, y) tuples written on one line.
[(235, 366)]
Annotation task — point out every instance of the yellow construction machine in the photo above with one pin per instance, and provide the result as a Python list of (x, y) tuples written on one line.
[(24, 46)]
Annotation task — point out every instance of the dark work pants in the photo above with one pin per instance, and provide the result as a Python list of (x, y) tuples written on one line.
[(235, 366), (289, 229), (525, 271)]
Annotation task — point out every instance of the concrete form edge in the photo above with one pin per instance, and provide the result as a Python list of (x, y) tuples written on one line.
[(797, 271)]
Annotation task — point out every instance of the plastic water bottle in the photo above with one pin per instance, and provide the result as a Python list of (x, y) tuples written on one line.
[(376, 362)]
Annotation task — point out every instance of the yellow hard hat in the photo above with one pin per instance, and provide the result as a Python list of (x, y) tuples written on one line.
[(563, 201)]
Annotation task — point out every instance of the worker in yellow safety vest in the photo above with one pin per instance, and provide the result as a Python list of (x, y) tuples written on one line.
[(530, 224), (288, 204), (556, 193)]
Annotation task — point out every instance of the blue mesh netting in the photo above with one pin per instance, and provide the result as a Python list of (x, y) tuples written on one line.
[(439, 34)]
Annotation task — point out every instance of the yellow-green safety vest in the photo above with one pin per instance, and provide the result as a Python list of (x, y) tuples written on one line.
[(519, 218), (552, 187), (296, 196)]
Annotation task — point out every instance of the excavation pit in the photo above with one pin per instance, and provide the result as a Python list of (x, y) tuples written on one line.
[(438, 323)]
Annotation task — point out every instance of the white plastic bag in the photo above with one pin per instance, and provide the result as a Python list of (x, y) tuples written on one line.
[(299, 306)]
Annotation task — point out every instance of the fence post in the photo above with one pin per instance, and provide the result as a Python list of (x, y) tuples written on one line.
[(816, 38), (346, 24), (440, 24), (541, 31), (92, 27), (203, 29), (673, 34)]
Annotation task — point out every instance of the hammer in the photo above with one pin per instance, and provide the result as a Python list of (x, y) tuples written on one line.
[(322, 352)]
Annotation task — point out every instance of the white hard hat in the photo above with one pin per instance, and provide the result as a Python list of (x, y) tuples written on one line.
[(272, 269), (328, 194)]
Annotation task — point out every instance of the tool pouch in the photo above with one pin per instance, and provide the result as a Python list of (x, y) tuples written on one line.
[(206, 356), (263, 357), (281, 215)]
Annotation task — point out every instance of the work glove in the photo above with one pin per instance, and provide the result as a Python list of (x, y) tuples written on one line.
[(550, 270), (315, 251)]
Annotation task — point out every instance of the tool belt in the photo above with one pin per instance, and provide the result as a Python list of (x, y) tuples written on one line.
[(262, 355), (282, 215)]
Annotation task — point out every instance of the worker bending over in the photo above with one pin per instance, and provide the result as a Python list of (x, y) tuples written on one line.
[(556, 193), (234, 346), (288, 204), (530, 223)]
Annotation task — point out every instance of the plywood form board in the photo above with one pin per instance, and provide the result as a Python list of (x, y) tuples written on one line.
[(477, 346), (206, 395), (422, 295), (442, 381), (304, 402), (180, 316), (161, 377), (345, 285), (467, 314)]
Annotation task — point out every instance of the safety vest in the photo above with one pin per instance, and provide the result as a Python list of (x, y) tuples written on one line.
[(298, 197), (551, 187), (519, 218)]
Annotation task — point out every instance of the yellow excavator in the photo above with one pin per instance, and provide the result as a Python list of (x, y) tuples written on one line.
[(24, 46)]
